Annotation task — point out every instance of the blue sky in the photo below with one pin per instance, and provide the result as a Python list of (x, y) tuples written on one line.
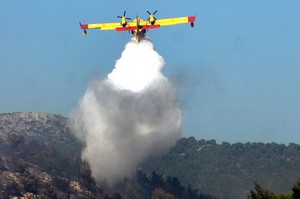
[(238, 69)]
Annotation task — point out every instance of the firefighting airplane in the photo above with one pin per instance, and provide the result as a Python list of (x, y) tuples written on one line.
[(138, 26)]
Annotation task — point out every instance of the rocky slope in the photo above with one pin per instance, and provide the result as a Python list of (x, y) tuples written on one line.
[(40, 158), (46, 128)]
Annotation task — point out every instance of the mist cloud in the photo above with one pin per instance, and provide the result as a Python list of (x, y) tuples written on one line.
[(129, 116)]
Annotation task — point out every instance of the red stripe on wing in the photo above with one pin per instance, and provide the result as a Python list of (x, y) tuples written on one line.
[(126, 28), (150, 27)]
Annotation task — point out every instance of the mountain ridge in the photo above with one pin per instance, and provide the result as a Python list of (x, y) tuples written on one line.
[(230, 170), (43, 144)]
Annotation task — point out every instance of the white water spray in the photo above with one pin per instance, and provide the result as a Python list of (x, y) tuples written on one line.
[(129, 116)]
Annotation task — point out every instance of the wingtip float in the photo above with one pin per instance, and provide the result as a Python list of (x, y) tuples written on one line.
[(138, 27)]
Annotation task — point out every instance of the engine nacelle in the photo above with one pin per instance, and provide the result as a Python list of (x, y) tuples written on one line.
[(124, 22), (151, 18), (123, 19)]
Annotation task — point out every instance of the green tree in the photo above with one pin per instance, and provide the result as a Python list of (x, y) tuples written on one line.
[(172, 185), (296, 190), (159, 193), (131, 193), (261, 193), (86, 177)]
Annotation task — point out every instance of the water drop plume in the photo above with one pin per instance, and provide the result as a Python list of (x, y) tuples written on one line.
[(129, 116)]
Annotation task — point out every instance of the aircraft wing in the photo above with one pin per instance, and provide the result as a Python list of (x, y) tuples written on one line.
[(138, 24), (102, 26), (175, 21)]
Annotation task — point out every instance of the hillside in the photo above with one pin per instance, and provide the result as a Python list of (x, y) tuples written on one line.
[(40, 158), (230, 170), (42, 127)]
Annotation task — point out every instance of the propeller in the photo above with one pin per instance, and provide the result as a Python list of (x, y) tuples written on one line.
[(151, 14), (124, 15)]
